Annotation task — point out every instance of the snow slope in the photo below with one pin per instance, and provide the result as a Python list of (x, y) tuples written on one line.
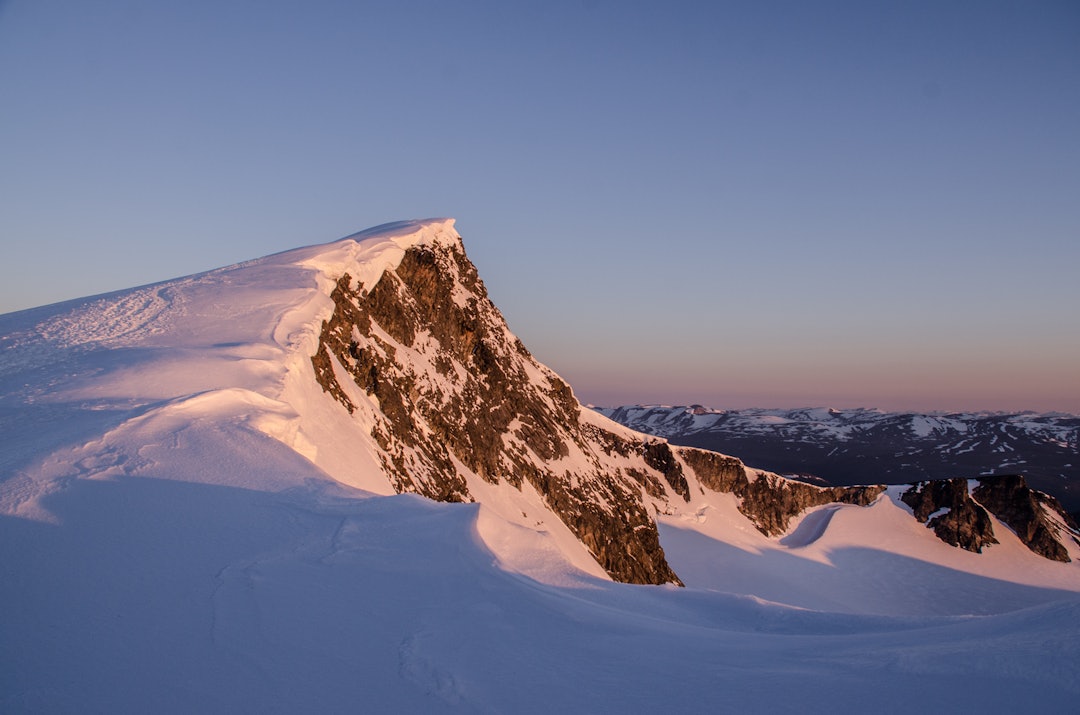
[(188, 523)]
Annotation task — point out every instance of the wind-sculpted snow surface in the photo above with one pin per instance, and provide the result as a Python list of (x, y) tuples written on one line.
[(197, 516)]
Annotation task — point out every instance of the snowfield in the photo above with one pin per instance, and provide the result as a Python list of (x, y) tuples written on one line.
[(188, 523)]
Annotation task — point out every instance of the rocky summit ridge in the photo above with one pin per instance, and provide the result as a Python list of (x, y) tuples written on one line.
[(450, 401)]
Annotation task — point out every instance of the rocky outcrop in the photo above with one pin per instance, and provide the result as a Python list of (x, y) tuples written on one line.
[(1028, 513), (452, 392), (425, 362), (768, 500), (962, 518), (945, 506), (659, 456)]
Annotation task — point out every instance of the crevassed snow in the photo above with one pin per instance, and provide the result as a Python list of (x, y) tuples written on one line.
[(188, 524)]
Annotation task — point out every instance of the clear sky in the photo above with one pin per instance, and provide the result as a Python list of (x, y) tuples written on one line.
[(735, 204)]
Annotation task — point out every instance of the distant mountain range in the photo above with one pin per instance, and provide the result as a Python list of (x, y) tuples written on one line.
[(865, 446)]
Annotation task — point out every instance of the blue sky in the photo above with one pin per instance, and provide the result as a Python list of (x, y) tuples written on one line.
[(734, 204)]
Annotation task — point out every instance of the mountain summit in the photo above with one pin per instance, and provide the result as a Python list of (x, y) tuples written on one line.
[(222, 464), (455, 404)]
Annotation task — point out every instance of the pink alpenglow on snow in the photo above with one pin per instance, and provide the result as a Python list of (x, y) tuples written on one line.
[(191, 520)]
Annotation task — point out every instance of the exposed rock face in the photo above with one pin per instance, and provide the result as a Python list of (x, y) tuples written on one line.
[(963, 519), (456, 393), (1028, 513), (426, 363), (946, 507), (658, 455), (769, 501)]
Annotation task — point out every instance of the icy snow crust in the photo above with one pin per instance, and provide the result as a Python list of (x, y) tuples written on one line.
[(189, 524)]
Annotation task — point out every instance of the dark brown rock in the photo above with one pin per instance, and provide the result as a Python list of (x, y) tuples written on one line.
[(659, 456), (715, 471), (961, 522), (486, 410), (1026, 512), (768, 500)]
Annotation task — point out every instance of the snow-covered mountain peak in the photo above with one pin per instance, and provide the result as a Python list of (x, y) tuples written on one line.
[(410, 232), (380, 360), (404, 234), (200, 496)]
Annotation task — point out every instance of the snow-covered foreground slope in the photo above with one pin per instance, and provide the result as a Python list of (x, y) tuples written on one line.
[(190, 523), (159, 595)]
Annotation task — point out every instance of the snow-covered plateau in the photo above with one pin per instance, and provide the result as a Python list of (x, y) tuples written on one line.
[(331, 480)]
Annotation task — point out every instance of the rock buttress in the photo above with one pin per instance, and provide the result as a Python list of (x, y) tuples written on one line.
[(945, 506), (769, 501), (1027, 512), (449, 385)]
